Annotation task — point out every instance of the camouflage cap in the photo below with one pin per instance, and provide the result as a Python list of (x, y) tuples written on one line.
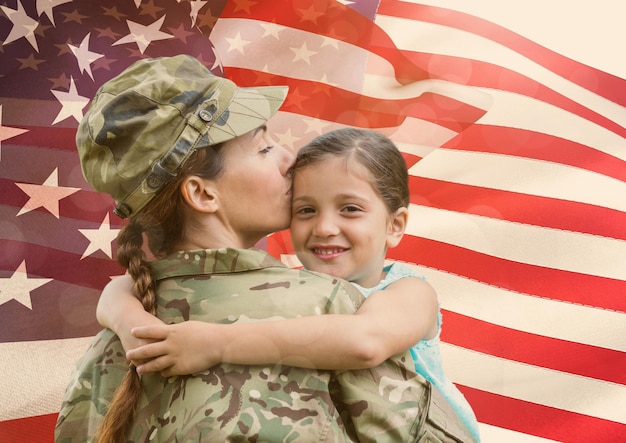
[(143, 124)]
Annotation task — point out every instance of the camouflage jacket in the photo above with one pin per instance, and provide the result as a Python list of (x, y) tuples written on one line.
[(231, 403)]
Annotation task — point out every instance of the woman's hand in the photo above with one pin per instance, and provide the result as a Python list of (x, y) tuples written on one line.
[(177, 349)]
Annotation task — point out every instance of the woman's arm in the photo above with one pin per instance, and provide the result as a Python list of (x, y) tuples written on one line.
[(388, 322), (119, 310)]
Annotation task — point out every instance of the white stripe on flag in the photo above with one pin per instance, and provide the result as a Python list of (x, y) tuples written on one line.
[(40, 373), (534, 384), (518, 111), (525, 313), (493, 434), (551, 248), (524, 175)]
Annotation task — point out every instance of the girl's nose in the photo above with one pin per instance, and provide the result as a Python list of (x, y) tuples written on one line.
[(325, 226)]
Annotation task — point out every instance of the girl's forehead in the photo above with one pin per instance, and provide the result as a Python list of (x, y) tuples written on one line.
[(333, 164), (336, 174)]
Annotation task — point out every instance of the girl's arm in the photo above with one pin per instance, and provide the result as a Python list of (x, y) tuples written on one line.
[(119, 310), (388, 322)]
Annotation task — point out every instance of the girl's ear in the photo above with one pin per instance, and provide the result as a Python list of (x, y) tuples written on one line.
[(396, 227), (199, 194)]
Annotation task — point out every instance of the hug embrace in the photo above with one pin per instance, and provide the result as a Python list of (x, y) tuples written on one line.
[(210, 339)]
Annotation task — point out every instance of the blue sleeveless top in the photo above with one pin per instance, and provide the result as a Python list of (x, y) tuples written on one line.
[(426, 354)]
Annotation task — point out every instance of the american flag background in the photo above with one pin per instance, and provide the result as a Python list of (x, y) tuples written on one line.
[(512, 119)]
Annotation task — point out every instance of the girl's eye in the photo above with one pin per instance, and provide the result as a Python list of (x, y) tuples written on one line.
[(266, 149), (304, 211), (351, 209)]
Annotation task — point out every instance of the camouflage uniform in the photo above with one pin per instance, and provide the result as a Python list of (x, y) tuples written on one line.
[(388, 403)]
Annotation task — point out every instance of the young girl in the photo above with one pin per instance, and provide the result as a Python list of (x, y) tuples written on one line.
[(350, 204)]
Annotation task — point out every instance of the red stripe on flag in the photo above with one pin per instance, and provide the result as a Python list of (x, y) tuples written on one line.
[(549, 283), (444, 111), (48, 137), (90, 272), (410, 159), (36, 429), (543, 421), (524, 347), (529, 144), (507, 205), (488, 75), (352, 108)]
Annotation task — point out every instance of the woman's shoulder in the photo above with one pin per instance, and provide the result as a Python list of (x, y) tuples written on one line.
[(306, 275)]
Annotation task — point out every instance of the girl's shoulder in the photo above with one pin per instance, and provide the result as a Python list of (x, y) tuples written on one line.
[(392, 273), (404, 279), (397, 270)]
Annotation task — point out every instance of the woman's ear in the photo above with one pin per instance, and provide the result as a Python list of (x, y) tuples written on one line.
[(199, 194), (397, 225)]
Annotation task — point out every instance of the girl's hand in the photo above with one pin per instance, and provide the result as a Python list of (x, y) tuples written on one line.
[(130, 341), (119, 310), (177, 349)]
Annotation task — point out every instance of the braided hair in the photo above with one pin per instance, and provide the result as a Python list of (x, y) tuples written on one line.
[(161, 222)]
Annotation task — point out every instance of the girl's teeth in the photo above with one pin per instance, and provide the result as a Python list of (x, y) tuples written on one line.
[(327, 251)]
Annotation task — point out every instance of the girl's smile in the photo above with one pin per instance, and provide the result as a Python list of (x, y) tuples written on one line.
[(327, 252), (340, 225)]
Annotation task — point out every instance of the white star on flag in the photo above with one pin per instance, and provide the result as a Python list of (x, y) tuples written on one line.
[(46, 195), (270, 29), (84, 56), (315, 125), (237, 43), (100, 239), (144, 35), (18, 286), (23, 26), (72, 103), (46, 7), (196, 6), (287, 138), (303, 53)]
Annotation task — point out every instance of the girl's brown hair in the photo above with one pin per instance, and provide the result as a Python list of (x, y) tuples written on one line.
[(373, 151), (162, 222)]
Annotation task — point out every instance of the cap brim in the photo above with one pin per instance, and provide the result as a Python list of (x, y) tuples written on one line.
[(249, 109)]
